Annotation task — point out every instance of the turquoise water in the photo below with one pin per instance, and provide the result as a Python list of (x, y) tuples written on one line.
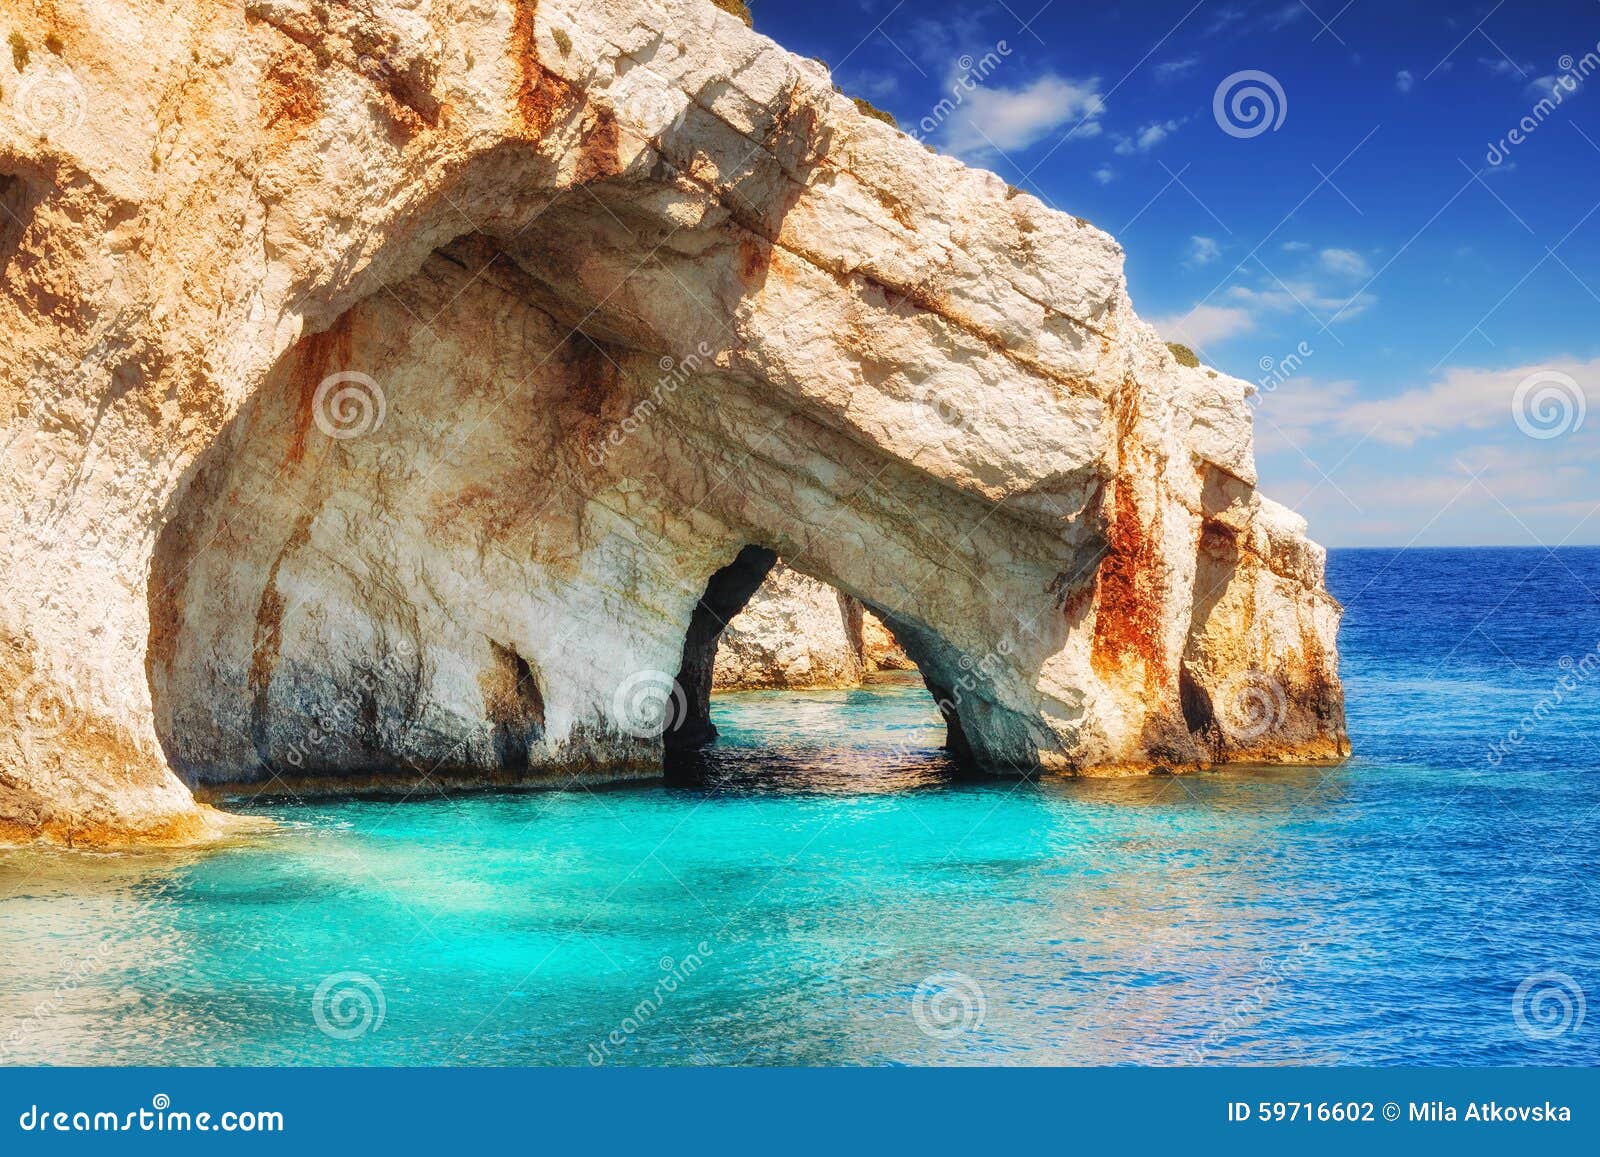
[(835, 894)]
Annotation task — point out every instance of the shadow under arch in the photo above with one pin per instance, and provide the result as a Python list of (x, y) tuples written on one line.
[(944, 672), (727, 592)]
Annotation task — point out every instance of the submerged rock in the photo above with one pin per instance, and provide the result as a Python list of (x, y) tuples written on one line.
[(389, 392)]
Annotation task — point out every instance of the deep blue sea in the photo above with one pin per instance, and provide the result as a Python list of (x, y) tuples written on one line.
[(833, 894)]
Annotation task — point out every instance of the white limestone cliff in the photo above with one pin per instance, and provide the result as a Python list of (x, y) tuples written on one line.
[(400, 393)]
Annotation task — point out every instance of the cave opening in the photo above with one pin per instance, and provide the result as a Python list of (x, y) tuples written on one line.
[(796, 669)]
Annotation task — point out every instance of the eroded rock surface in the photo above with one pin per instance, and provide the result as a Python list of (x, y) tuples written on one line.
[(880, 651), (795, 632), (382, 384)]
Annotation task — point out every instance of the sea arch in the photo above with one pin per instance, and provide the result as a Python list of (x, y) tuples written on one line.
[(876, 333)]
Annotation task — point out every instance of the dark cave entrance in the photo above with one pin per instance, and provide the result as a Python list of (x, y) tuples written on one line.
[(868, 643), (727, 592)]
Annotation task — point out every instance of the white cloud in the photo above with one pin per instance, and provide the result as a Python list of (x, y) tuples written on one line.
[(1105, 174), (1205, 324), (1464, 398), (1243, 306), (1554, 88), (1005, 120), (1501, 66), (1202, 251), (1237, 19), (1288, 14), (1344, 263), (1147, 138), (875, 86), (1317, 295), (1303, 295), (1302, 411), (1506, 491), (1224, 19), (1404, 81), (939, 40), (1173, 69)]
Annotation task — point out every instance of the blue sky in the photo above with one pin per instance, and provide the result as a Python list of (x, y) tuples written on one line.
[(1420, 290)]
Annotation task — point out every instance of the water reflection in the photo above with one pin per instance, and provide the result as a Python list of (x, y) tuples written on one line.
[(884, 737), (82, 933)]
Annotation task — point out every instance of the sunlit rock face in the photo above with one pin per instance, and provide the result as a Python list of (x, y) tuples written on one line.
[(880, 651), (795, 632), (798, 633), (383, 385)]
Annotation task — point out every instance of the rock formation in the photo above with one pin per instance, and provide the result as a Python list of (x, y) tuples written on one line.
[(795, 632), (397, 393), (879, 649)]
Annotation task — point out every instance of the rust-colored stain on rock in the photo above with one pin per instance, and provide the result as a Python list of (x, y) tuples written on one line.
[(404, 85), (594, 376), (316, 356), (166, 609), (1322, 694), (540, 94), (753, 258), (1127, 624), (483, 513), (597, 151), (289, 98), (269, 612)]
